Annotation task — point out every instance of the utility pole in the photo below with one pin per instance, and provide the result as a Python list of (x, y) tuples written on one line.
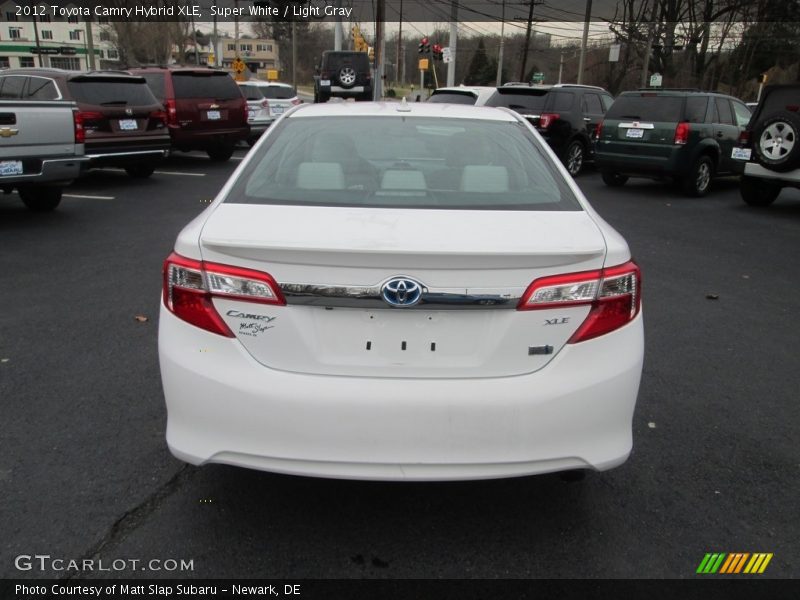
[(38, 48), (399, 49), (451, 66), (380, 47), (194, 39), (649, 47), (236, 30), (561, 67), (216, 44), (584, 41), (294, 54), (338, 31), (90, 44), (527, 45), (502, 41)]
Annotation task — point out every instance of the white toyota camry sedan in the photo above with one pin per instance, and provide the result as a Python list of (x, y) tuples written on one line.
[(401, 292)]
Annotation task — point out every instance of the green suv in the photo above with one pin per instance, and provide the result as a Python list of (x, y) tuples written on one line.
[(687, 136)]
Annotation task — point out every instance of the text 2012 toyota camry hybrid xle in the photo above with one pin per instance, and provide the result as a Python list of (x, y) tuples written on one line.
[(401, 292)]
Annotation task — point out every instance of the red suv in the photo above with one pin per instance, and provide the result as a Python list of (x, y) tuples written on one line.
[(205, 108)]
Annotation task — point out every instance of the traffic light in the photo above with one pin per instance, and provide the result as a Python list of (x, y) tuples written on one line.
[(424, 46), (371, 53), (762, 78), (437, 52)]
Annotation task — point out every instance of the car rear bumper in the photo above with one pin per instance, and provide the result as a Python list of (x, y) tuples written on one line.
[(49, 170), (671, 162), (206, 138), (752, 169), (125, 156), (259, 127), (224, 407)]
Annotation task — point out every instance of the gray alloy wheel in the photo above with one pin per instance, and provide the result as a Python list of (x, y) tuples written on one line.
[(575, 158), (347, 76)]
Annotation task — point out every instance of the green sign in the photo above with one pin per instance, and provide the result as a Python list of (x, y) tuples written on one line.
[(538, 78)]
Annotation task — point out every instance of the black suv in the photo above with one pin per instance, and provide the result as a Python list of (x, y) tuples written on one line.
[(687, 136), (566, 116), (343, 75), (771, 146)]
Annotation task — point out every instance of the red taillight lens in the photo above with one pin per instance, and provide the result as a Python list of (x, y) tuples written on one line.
[(190, 286), (614, 294), (681, 133), (160, 117), (296, 101), (599, 131), (80, 132), (546, 119), (744, 138), (172, 112), (264, 103)]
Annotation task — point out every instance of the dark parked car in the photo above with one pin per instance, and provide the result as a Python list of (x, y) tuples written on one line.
[(123, 123), (343, 75), (771, 146), (687, 136), (565, 115), (205, 108)]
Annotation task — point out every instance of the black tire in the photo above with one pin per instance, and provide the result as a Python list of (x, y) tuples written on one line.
[(40, 198), (220, 153), (776, 141), (141, 170), (251, 141), (321, 98), (758, 192), (697, 182), (612, 179), (574, 157)]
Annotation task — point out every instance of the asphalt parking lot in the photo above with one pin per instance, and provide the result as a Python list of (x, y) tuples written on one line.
[(86, 473)]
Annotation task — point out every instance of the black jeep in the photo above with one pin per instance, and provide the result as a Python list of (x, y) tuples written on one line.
[(343, 75)]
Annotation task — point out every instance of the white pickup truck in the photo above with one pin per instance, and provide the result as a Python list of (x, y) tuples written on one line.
[(41, 150)]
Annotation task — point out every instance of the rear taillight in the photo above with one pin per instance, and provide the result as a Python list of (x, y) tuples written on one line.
[(160, 117), (264, 103), (80, 132), (744, 138), (296, 101), (599, 131), (546, 119), (190, 286), (614, 294), (245, 111), (681, 133), (172, 112)]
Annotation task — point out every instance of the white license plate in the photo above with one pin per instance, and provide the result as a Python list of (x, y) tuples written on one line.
[(128, 124), (634, 133), (277, 110), (10, 167), (741, 153), (324, 81), (213, 115)]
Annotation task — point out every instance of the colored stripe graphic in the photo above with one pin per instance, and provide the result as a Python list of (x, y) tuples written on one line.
[(711, 562), (734, 563), (758, 563)]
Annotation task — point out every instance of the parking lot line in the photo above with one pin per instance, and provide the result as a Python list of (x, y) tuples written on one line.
[(179, 173), (82, 196)]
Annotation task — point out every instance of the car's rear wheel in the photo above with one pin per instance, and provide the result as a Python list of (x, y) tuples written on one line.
[(574, 156), (758, 192), (40, 198), (347, 76), (777, 146), (140, 171), (612, 179), (220, 153), (698, 181)]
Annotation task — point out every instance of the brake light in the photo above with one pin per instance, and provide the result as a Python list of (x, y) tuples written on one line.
[(793, 107), (547, 119), (190, 286), (80, 132), (160, 117), (744, 138), (681, 133), (264, 103), (245, 111), (172, 112), (296, 101), (614, 294), (599, 131)]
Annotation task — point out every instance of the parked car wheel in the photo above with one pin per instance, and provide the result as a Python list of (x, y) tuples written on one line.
[(141, 171), (777, 146), (758, 192), (614, 179), (220, 153), (574, 156), (40, 198), (698, 181)]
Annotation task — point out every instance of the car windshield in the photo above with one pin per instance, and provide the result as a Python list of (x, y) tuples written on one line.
[(278, 92), (519, 98), (647, 107), (111, 92), (453, 98), (403, 162), (200, 84)]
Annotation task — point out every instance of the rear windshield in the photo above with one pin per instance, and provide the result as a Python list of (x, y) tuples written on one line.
[(278, 92), (408, 162), (111, 92), (156, 83), (519, 98), (251, 92), (194, 84), (453, 98), (647, 108), (360, 60)]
